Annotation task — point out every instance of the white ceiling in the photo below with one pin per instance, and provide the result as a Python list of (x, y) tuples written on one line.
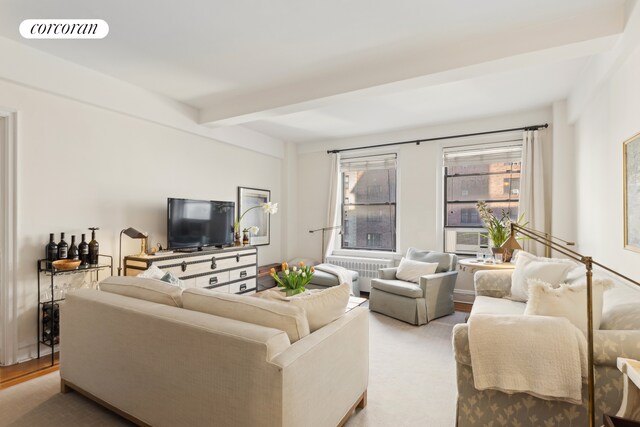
[(303, 71)]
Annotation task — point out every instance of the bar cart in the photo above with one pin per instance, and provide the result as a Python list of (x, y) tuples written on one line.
[(48, 319)]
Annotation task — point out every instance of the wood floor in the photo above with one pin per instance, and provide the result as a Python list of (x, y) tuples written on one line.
[(15, 374)]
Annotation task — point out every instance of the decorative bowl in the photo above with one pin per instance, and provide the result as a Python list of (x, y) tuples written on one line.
[(66, 264)]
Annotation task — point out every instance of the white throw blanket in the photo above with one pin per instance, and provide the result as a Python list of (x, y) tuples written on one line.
[(343, 275), (540, 355)]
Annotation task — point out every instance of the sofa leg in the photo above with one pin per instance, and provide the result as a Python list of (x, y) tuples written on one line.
[(64, 388), (363, 400), (360, 403)]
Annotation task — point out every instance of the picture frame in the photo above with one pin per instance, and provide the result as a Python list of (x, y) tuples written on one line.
[(248, 198), (631, 191)]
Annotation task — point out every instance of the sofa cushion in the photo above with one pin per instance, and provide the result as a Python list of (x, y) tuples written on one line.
[(323, 307), (153, 290), (528, 266), (443, 259), (272, 314), (490, 305), (567, 300), (622, 317), (410, 270), (398, 287)]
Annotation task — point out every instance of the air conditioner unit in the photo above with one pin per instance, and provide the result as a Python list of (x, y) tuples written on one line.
[(465, 240)]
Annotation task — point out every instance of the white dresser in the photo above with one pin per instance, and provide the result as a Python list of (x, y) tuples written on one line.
[(232, 270)]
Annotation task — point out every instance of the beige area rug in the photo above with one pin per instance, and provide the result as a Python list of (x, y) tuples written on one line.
[(411, 383)]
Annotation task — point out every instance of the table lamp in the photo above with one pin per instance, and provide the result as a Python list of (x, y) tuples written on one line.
[(134, 234)]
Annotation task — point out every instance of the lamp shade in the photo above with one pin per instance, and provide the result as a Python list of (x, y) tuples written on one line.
[(133, 233), (511, 244)]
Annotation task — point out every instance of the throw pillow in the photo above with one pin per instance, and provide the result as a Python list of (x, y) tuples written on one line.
[(172, 279), (410, 270), (528, 266), (258, 311), (152, 272), (323, 307), (567, 300), (444, 260), (143, 288)]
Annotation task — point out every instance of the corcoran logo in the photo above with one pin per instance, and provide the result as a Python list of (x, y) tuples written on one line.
[(64, 29)]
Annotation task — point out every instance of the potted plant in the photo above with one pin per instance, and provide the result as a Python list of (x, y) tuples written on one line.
[(293, 281), (498, 229), (270, 208)]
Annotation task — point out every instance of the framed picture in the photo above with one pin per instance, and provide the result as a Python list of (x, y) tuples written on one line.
[(252, 198), (631, 170)]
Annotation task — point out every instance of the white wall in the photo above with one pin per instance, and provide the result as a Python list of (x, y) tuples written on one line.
[(610, 117), (419, 180), (82, 166)]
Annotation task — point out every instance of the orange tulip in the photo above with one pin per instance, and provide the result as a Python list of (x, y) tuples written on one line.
[(285, 266), (273, 270), (313, 270), (301, 263)]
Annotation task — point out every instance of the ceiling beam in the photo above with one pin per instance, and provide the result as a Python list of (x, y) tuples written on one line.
[(581, 35)]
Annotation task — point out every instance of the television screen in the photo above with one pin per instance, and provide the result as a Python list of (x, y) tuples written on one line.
[(199, 223)]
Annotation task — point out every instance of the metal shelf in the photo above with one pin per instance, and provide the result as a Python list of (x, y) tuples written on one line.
[(52, 273)]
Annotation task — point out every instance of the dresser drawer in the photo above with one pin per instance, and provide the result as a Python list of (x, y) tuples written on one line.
[(242, 273), (212, 279), (242, 286), (204, 264)]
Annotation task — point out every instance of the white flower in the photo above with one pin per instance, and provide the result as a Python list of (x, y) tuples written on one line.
[(295, 268), (253, 229), (270, 208), (286, 272)]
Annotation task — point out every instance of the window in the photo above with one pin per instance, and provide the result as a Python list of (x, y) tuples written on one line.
[(490, 173), (369, 202)]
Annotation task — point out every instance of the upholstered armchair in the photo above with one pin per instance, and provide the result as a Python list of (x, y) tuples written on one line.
[(416, 303)]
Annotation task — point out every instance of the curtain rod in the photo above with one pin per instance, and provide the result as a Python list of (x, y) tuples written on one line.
[(440, 138)]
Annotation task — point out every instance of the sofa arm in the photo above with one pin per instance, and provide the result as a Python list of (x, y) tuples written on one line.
[(438, 293), (331, 366), (608, 345), (461, 350), (493, 283), (387, 273)]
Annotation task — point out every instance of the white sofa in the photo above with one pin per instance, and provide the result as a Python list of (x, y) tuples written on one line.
[(618, 336), (167, 366)]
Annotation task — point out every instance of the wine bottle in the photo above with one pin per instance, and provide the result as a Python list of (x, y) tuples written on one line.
[(51, 251), (94, 248), (83, 250), (73, 249), (63, 248)]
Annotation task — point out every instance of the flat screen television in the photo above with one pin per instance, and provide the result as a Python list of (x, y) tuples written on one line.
[(199, 223)]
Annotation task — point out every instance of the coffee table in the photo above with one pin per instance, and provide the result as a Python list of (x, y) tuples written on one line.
[(354, 302)]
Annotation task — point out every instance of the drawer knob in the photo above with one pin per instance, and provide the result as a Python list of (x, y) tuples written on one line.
[(183, 266), (243, 287), (213, 280), (238, 258), (214, 265), (243, 273)]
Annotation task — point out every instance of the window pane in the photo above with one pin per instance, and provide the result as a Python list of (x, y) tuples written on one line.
[(466, 214), (369, 227), (371, 186), (489, 184)]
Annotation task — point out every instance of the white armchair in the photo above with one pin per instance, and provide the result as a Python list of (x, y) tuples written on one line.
[(416, 303)]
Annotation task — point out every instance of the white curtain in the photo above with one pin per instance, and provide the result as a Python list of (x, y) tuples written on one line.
[(532, 200), (334, 205)]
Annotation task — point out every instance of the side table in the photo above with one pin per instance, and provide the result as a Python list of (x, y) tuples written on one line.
[(630, 406), (472, 265)]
